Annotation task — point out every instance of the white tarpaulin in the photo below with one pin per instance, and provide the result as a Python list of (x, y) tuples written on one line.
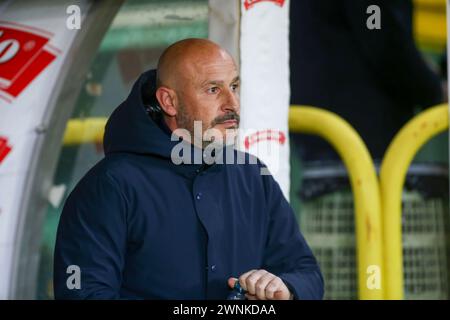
[(32, 53)]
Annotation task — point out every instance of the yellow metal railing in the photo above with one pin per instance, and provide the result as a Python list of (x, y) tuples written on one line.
[(430, 24), (364, 184), (393, 170), (89, 130)]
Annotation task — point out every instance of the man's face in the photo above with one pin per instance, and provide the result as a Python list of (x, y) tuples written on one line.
[(209, 92)]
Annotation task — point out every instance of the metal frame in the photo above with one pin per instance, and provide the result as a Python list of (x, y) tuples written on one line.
[(393, 171), (364, 182)]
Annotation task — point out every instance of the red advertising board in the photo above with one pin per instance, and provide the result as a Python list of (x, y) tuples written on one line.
[(5, 148), (24, 53)]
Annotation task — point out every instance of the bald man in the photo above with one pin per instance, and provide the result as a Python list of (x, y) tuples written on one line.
[(198, 81), (141, 225)]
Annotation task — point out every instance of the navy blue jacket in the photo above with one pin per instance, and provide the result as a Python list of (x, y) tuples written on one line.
[(141, 227)]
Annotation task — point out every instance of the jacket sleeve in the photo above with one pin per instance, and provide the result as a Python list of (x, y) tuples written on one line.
[(92, 236), (287, 254)]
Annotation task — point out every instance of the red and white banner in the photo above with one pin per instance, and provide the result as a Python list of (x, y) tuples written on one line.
[(24, 53), (34, 42), (250, 3), (5, 148), (265, 90)]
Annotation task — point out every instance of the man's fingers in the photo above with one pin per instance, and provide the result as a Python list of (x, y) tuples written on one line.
[(243, 279), (261, 285), (231, 282), (279, 295), (277, 290), (272, 288), (250, 281)]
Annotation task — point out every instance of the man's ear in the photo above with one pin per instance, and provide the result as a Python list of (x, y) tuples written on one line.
[(167, 100)]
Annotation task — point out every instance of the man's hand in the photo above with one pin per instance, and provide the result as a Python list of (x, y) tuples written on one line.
[(262, 285)]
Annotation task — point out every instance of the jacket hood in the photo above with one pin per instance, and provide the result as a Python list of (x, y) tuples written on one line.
[(131, 129)]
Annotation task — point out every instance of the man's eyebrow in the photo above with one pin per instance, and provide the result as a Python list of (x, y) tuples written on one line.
[(219, 82)]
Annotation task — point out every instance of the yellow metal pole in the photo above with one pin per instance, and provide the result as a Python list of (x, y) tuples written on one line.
[(89, 130), (364, 185), (393, 171)]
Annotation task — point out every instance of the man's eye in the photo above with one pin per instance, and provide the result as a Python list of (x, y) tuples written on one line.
[(234, 87), (213, 90)]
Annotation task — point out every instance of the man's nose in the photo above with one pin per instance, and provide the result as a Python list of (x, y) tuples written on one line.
[(231, 103)]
